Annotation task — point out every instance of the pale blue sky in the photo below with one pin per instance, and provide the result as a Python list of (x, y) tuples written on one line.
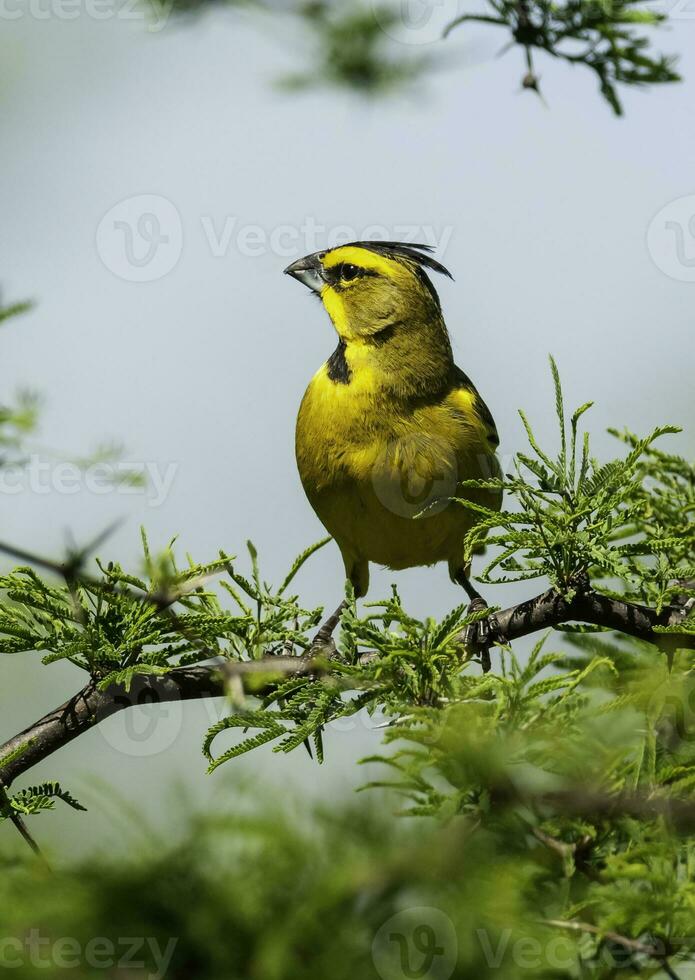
[(546, 210)]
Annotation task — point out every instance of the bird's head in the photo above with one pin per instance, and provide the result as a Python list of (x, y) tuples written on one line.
[(371, 287)]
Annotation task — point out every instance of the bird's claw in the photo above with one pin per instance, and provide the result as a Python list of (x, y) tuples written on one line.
[(477, 635), (322, 647)]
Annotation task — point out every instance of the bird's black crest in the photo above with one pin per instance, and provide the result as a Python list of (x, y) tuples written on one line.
[(403, 250), (417, 254)]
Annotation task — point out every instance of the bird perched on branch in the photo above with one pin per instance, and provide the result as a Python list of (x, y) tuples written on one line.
[(389, 426)]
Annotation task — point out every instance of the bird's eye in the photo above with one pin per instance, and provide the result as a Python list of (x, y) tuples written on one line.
[(348, 271)]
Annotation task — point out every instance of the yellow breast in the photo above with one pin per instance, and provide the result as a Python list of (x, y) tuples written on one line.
[(370, 466)]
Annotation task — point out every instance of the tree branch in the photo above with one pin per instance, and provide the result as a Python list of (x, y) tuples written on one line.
[(553, 609), (90, 706)]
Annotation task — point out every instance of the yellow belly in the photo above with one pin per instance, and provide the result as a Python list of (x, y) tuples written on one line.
[(368, 527)]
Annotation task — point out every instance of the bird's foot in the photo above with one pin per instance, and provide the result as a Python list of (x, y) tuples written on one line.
[(324, 635), (476, 637)]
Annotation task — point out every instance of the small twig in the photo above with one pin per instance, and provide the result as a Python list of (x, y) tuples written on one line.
[(635, 945), (273, 664), (12, 815), (553, 844)]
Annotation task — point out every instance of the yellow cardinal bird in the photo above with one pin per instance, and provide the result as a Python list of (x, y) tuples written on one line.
[(389, 426)]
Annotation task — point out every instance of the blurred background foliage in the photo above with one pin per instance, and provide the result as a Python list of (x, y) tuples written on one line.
[(355, 44), (273, 897), (555, 853)]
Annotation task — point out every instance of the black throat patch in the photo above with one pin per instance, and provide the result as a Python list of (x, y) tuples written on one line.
[(337, 365)]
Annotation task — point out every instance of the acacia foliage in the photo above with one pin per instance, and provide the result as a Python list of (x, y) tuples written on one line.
[(559, 785)]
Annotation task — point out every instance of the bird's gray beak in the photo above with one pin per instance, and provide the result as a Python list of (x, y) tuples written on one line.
[(309, 271)]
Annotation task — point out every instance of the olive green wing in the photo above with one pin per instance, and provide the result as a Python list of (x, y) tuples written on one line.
[(461, 382)]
